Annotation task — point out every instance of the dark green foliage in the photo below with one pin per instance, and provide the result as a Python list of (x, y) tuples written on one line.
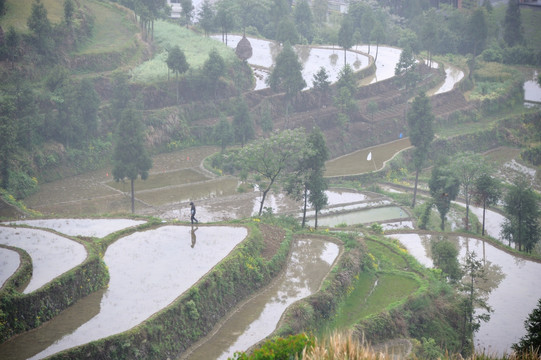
[(430, 350), (69, 10), (532, 339), (486, 191), (223, 133), (130, 158), (306, 181), (521, 225), (76, 120), (513, 32), (425, 215), (225, 18), (444, 186), (279, 348), (206, 17), (421, 133), (243, 126), (304, 20), (445, 256), (532, 155), (187, 11), (477, 31), (121, 94), (176, 62), (88, 103), (321, 84), (13, 43), (345, 35), (287, 32), (213, 70), (40, 25), (475, 307), (406, 68), (286, 75)]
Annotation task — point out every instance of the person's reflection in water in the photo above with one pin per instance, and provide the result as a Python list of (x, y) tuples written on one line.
[(194, 238)]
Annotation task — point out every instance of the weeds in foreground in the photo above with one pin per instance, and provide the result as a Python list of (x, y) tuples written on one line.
[(342, 346)]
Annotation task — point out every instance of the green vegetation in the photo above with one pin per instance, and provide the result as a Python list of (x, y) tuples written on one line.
[(195, 47), (18, 11), (42, 115), (107, 38)]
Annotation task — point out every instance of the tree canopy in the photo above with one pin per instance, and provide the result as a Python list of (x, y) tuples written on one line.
[(444, 187), (130, 158), (421, 133), (287, 72), (522, 216), (266, 161)]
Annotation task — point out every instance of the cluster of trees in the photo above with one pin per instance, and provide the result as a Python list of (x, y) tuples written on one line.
[(471, 279), (469, 175), (273, 19), (46, 41), (289, 159)]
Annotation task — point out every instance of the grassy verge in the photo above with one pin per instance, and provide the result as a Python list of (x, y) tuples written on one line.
[(113, 29), (18, 11), (195, 47)]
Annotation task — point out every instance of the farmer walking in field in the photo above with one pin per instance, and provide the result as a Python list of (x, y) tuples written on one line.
[(192, 213)]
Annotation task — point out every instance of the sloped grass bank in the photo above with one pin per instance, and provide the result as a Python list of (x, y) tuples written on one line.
[(423, 305), (171, 331), (195, 47), (114, 42)]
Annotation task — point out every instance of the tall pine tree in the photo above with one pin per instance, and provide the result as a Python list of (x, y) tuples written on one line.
[(130, 158)]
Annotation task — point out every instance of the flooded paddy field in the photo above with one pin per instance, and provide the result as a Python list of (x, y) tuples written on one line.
[(264, 53), (9, 263), (514, 281), (311, 260), (137, 290), (52, 255), (363, 216)]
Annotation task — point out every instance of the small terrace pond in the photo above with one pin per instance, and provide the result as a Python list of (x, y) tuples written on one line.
[(364, 216), (514, 281)]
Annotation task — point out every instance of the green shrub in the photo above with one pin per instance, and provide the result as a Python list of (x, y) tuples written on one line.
[(279, 349), (21, 184)]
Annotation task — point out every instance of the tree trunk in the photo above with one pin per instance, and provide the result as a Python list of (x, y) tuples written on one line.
[(484, 209), (304, 209), (315, 222), (415, 188), (132, 197)]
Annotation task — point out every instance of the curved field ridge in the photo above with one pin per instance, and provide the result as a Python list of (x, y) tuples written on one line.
[(52, 255), (82, 227), (149, 270)]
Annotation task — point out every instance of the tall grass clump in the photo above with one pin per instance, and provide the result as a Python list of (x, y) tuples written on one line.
[(339, 346)]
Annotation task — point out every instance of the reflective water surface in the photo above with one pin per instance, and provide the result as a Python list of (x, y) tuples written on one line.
[(362, 216), (264, 53), (310, 262), (9, 262), (515, 284), (148, 270), (52, 255)]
